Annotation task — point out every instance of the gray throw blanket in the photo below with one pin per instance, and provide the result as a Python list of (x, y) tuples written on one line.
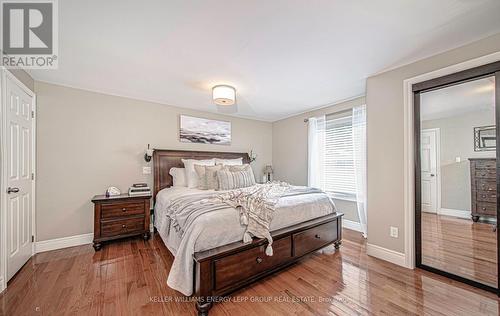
[(256, 205)]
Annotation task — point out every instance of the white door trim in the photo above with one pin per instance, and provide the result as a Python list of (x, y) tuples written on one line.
[(5, 73), (438, 166), (409, 154)]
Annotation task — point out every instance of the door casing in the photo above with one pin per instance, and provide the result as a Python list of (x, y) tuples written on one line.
[(4, 75)]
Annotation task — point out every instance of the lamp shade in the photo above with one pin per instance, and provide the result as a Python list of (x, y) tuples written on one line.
[(224, 95), (268, 169)]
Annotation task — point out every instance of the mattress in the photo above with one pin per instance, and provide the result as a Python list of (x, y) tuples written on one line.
[(206, 232)]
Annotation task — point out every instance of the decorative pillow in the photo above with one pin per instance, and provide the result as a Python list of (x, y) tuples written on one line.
[(229, 180), (178, 177), (234, 168), (207, 177), (191, 176), (229, 162)]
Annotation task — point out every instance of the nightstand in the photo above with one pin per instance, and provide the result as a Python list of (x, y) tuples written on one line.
[(120, 216)]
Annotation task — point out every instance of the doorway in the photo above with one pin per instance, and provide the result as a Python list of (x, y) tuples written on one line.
[(430, 173), (457, 175), (17, 176)]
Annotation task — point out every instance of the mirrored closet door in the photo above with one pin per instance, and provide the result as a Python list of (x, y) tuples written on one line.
[(456, 191)]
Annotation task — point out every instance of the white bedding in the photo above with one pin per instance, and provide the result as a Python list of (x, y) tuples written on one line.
[(205, 233)]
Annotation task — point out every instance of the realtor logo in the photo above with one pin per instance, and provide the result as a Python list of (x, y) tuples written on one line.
[(29, 34)]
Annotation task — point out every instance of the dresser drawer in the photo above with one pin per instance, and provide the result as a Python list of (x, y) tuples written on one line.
[(486, 196), (485, 208), (486, 174), (238, 267), (122, 227), (486, 185), (486, 164), (314, 238), (121, 209)]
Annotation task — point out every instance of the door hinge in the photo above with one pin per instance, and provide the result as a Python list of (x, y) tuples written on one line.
[(32, 176), (32, 238), (32, 114)]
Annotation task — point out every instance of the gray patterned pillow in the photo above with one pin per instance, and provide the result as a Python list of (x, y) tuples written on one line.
[(207, 177), (234, 178)]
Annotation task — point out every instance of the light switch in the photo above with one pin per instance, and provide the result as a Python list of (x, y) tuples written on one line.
[(458, 159), (146, 170)]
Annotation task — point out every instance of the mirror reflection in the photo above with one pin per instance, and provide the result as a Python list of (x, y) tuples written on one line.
[(458, 180)]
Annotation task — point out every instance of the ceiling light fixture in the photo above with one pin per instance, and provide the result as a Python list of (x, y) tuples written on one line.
[(224, 95)]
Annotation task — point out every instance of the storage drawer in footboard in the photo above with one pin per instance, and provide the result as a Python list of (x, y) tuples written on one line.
[(243, 265), (315, 238)]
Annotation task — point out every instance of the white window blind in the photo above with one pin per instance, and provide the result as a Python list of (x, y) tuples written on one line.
[(340, 179)]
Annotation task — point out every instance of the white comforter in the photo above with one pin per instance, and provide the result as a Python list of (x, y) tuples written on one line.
[(205, 233)]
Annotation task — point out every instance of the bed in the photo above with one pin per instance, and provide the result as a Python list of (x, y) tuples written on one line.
[(209, 264)]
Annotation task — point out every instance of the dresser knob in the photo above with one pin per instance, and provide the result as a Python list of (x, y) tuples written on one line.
[(123, 226), (484, 196), (124, 209), (259, 259), (317, 236), (484, 208)]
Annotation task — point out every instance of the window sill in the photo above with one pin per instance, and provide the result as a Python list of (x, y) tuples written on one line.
[(342, 197)]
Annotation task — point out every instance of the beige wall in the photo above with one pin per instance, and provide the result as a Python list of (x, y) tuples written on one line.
[(88, 141), (385, 120), (290, 150)]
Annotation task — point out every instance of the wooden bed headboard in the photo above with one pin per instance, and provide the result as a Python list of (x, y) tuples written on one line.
[(164, 159)]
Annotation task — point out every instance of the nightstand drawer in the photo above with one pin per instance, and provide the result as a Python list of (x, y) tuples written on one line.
[(122, 227), (121, 209)]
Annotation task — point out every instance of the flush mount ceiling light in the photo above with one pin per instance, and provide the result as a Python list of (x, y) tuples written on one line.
[(224, 95)]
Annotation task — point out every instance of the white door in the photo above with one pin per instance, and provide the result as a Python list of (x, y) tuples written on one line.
[(429, 169), (19, 159)]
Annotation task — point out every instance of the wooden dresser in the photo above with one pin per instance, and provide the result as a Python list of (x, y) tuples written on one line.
[(483, 187), (119, 217)]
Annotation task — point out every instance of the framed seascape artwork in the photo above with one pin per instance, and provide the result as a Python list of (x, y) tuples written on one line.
[(204, 131), (485, 138)]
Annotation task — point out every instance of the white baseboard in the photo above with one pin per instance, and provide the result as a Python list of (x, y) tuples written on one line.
[(2, 285), (352, 225), (386, 254), (58, 243), (454, 213)]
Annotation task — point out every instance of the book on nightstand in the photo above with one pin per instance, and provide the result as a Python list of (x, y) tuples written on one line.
[(139, 189)]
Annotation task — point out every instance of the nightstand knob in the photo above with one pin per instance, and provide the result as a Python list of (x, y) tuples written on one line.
[(317, 236), (259, 260), (124, 209), (123, 226)]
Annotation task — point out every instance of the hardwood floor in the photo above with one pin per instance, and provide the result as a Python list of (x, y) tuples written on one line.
[(460, 246), (129, 278)]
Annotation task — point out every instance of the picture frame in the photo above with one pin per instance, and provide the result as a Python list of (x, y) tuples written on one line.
[(485, 138), (204, 131)]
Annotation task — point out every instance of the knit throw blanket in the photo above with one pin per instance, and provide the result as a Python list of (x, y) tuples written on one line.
[(255, 204)]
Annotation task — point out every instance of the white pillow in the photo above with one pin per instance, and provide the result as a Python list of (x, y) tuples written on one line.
[(191, 175), (229, 162), (178, 177)]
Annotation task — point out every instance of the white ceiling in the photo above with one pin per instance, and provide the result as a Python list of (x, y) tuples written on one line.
[(283, 56), (473, 96)]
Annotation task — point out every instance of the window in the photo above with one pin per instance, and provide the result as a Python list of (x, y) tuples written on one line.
[(339, 172), (336, 161)]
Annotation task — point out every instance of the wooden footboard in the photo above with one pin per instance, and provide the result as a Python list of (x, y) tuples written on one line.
[(223, 270)]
